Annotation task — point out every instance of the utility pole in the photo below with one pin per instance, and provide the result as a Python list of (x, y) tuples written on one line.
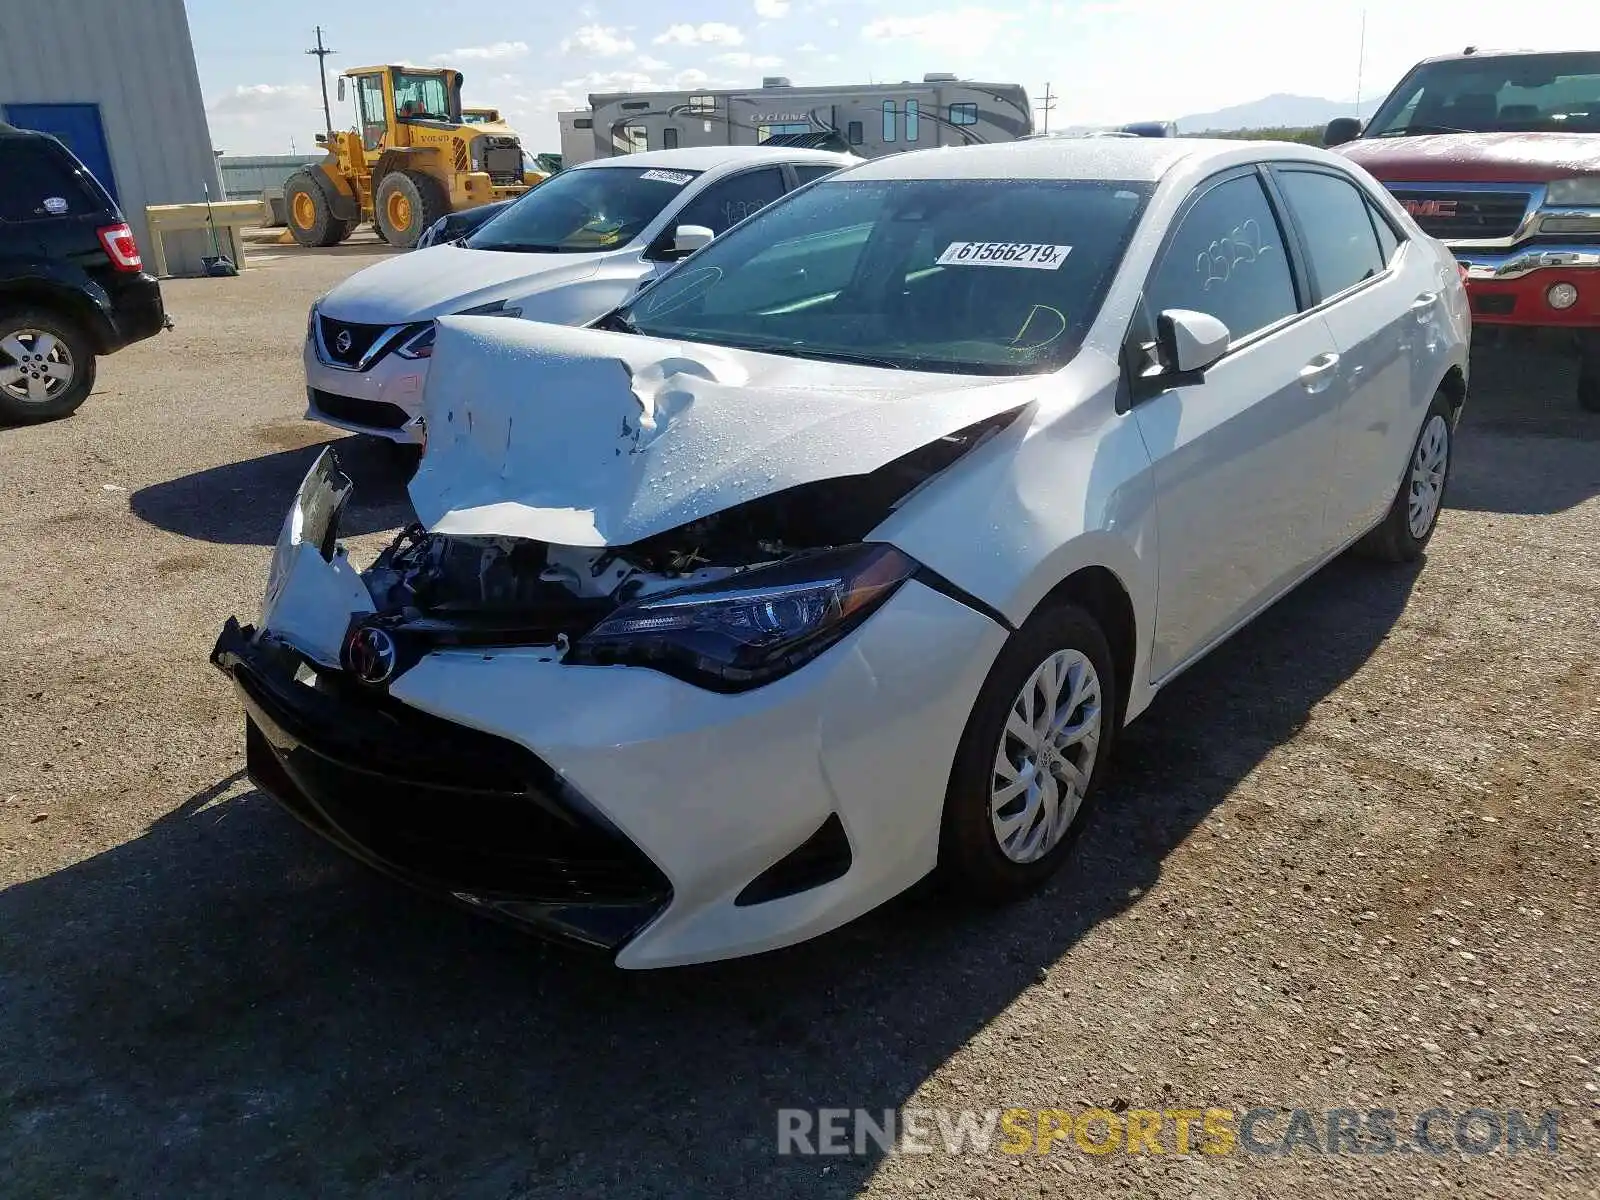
[(1047, 107), (322, 53), (1361, 61)]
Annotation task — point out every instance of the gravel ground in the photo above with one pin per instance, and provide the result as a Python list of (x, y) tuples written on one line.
[(1349, 861)]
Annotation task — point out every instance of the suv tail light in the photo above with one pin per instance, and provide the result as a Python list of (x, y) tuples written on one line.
[(120, 246)]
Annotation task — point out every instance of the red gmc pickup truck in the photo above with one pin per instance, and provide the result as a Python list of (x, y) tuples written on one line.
[(1497, 154)]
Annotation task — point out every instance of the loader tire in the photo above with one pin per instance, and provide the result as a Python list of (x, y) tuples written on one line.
[(310, 211), (407, 203)]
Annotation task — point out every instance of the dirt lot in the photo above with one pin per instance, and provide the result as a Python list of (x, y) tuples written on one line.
[(1350, 861)]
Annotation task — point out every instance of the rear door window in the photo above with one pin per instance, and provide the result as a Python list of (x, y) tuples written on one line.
[(1333, 217), (806, 172), (728, 201), (40, 182)]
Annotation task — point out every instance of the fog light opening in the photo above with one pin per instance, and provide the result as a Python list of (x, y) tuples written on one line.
[(1561, 295)]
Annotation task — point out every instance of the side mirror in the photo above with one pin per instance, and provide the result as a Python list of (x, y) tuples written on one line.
[(341, 89), (1188, 342), (1341, 130), (322, 139), (686, 239)]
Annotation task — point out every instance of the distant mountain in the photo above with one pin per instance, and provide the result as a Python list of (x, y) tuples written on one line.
[(1270, 112)]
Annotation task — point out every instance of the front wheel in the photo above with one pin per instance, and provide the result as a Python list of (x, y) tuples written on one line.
[(1414, 513), (47, 366), (407, 203), (1030, 759)]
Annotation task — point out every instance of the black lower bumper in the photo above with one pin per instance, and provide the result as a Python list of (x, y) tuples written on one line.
[(137, 311), (448, 809)]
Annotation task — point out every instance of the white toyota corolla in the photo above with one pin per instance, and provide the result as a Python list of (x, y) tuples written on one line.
[(573, 248), (843, 554)]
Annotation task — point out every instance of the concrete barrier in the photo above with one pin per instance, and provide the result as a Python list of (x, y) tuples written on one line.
[(230, 217)]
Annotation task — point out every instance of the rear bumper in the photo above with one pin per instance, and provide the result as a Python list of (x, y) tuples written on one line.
[(1512, 288), (445, 808), (136, 311)]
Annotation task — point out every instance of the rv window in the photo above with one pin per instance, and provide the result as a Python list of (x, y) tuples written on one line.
[(854, 133), (888, 120), (913, 114), (964, 114), (635, 105), (583, 123), (669, 138), (702, 104)]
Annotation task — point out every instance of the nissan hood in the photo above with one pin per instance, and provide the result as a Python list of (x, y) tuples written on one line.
[(440, 280), (582, 437), (1477, 157)]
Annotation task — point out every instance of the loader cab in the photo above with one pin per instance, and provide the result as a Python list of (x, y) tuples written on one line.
[(389, 100)]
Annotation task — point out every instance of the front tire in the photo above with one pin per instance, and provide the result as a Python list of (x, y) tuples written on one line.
[(1030, 761), (310, 211), (47, 366), (406, 204), (1414, 515)]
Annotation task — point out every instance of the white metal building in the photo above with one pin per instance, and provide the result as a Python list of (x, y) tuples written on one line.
[(116, 81)]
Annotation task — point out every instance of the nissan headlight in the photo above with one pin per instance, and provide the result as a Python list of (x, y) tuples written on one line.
[(420, 343), (1580, 192), (754, 626)]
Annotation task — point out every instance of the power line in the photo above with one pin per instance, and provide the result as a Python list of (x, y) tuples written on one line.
[(1047, 106), (322, 53)]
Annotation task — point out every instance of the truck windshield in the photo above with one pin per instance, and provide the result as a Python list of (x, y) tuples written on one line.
[(576, 212), (1552, 93), (965, 276)]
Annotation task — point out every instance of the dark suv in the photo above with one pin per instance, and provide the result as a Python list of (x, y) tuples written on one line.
[(72, 284)]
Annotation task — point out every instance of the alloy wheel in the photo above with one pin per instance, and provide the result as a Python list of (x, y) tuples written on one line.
[(37, 366)]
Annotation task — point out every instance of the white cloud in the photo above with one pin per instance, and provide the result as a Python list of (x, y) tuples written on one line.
[(492, 53), (252, 98), (808, 48), (600, 41), (712, 33), (960, 29), (691, 78), (771, 10), (741, 58), (646, 63)]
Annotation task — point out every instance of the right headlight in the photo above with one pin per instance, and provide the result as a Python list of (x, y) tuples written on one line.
[(1582, 191), (754, 626)]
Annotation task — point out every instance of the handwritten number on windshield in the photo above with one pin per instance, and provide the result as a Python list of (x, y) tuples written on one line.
[(1219, 261)]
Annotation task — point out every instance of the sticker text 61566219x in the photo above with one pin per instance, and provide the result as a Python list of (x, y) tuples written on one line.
[(676, 178), (1034, 255)]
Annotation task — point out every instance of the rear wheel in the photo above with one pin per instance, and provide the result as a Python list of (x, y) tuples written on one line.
[(1414, 514), (310, 211), (47, 366), (406, 204)]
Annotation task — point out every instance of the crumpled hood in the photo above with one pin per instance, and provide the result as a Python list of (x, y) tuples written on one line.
[(588, 438), (440, 280), (1477, 157)]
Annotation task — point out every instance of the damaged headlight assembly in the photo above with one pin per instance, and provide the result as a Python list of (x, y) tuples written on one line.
[(420, 344), (754, 626)]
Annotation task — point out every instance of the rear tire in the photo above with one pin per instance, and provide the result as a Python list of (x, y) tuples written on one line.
[(47, 366), (406, 204), (1016, 802), (1414, 515), (310, 211)]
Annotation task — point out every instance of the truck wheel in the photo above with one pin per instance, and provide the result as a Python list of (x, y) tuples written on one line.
[(407, 203), (46, 366), (310, 212), (1589, 372)]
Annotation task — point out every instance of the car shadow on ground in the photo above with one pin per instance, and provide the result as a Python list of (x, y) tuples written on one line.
[(225, 1006), (1524, 390), (243, 503)]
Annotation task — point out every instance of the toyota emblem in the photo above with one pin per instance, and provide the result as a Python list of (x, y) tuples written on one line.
[(343, 342), (370, 655)]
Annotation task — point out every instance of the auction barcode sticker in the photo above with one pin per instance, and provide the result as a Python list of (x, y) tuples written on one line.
[(674, 177), (1034, 255)]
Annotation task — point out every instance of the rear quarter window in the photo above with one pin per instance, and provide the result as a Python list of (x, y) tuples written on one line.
[(40, 181)]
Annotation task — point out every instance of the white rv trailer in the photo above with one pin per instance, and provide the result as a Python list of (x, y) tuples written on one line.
[(868, 120)]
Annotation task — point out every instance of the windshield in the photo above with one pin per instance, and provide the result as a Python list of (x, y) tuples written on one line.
[(579, 212), (422, 96), (959, 275), (1553, 93)]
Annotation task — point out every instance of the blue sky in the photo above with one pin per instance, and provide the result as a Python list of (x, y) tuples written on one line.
[(1109, 60)]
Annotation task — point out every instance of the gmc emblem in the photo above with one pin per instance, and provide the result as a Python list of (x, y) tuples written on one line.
[(1429, 208)]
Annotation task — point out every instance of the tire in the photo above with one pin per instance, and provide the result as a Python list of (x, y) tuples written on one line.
[(1589, 372), (47, 366), (406, 204), (310, 211), (1399, 538), (378, 229), (973, 862)]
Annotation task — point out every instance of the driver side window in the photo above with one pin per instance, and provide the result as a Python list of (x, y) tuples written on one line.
[(1227, 259), (369, 98), (727, 202)]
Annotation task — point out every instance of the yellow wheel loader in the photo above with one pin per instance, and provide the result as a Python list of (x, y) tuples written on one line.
[(411, 159)]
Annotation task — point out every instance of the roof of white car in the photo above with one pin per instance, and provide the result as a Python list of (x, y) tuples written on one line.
[(707, 158), (1070, 158)]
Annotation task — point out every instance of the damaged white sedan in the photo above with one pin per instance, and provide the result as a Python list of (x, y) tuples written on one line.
[(843, 554)]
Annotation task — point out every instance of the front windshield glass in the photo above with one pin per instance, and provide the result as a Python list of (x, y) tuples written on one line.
[(579, 212), (422, 96), (960, 275), (1551, 93)]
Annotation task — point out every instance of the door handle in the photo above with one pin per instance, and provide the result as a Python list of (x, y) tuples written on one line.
[(1317, 374), (1422, 306)]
